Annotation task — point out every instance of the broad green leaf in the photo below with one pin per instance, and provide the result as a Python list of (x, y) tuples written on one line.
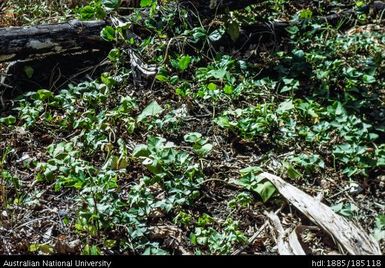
[(94, 10), (379, 234), (212, 86), (216, 35), (130, 125), (380, 222), (305, 14), (381, 161), (140, 150), (348, 210), (108, 33), (107, 79), (292, 29), (28, 70), (285, 106), (292, 173), (339, 109), (45, 248), (9, 120), (111, 4), (199, 33), (114, 55), (250, 170), (369, 79), (218, 74), (146, 3), (228, 89), (193, 137), (205, 149), (151, 110), (233, 30), (161, 78), (87, 12), (33, 247), (373, 136), (43, 94), (266, 190), (184, 62), (223, 121)]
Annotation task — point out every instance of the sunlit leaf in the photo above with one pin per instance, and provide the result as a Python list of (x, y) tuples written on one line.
[(152, 109)]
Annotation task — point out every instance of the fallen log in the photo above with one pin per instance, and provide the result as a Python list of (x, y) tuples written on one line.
[(75, 36), (43, 40)]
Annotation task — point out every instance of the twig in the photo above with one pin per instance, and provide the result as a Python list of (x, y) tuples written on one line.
[(31, 221), (223, 181)]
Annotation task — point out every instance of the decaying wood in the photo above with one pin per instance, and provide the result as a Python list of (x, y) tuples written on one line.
[(287, 242), (36, 41), (260, 32), (74, 36), (294, 243), (345, 233), (28, 42), (140, 68)]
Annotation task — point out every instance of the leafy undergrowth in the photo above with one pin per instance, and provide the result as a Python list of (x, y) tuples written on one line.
[(170, 164)]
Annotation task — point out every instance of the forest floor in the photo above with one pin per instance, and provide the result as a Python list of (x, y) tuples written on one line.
[(171, 164)]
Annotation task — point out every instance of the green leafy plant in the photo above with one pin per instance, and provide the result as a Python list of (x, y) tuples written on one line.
[(128, 158), (242, 200), (153, 109), (8, 120), (174, 169), (200, 145), (251, 181), (309, 163), (93, 10), (218, 242), (379, 230), (182, 63), (346, 209)]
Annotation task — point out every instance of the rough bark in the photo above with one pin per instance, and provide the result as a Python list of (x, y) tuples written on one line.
[(74, 36), (43, 40), (36, 41)]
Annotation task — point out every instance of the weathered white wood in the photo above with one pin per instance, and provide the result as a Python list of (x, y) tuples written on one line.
[(287, 243), (295, 244), (345, 233)]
